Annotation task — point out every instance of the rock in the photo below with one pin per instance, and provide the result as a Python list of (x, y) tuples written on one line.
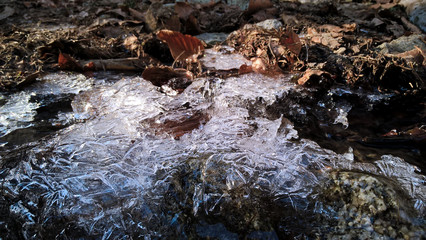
[(270, 24), (403, 44), (7, 12), (416, 10), (213, 38)]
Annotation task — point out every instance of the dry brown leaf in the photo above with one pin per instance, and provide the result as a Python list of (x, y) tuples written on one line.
[(258, 65), (178, 124), (313, 77), (182, 47), (291, 41), (264, 14), (332, 40), (131, 43), (66, 62), (183, 10), (257, 5), (350, 27), (172, 23), (245, 69), (136, 14), (119, 12)]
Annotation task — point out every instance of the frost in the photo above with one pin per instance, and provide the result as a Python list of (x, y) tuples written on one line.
[(115, 176), (219, 61), (20, 108), (17, 112)]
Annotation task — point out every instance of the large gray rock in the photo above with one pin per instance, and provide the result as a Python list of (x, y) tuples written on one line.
[(402, 44), (416, 10)]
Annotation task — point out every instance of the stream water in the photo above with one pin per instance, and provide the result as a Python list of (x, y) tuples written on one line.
[(113, 170)]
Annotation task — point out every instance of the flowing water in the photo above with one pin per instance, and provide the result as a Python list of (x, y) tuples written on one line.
[(115, 170)]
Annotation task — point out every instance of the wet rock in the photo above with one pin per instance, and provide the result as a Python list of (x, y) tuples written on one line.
[(366, 205), (215, 231)]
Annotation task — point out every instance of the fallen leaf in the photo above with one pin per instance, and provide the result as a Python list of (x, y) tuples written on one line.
[(245, 69), (350, 27), (172, 23), (376, 22), (258, 65), (119, 12), (178, 124), (159, 76), (313, 77), (183, 10), (327, 39), (291, 41), (66, 62), (257, 5), (136, 14), (182, 47), (131, 43), (90, 66)]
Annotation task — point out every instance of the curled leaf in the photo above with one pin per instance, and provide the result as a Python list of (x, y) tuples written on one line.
[(182, 47), (66, 62)]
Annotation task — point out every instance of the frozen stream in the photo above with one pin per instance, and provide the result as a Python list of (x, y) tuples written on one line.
[(119, 174)]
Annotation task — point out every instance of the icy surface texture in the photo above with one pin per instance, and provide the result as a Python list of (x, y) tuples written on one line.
[(20, 108), (111, 177), (214, 58), (17, 112)]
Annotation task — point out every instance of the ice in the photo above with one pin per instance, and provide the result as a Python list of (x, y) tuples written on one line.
[(216, 59), (20, 108), (342, 116), (17, 112), (114, 176), (407, 175)]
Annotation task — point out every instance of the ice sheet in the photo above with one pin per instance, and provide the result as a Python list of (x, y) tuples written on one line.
[(111, 177)]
